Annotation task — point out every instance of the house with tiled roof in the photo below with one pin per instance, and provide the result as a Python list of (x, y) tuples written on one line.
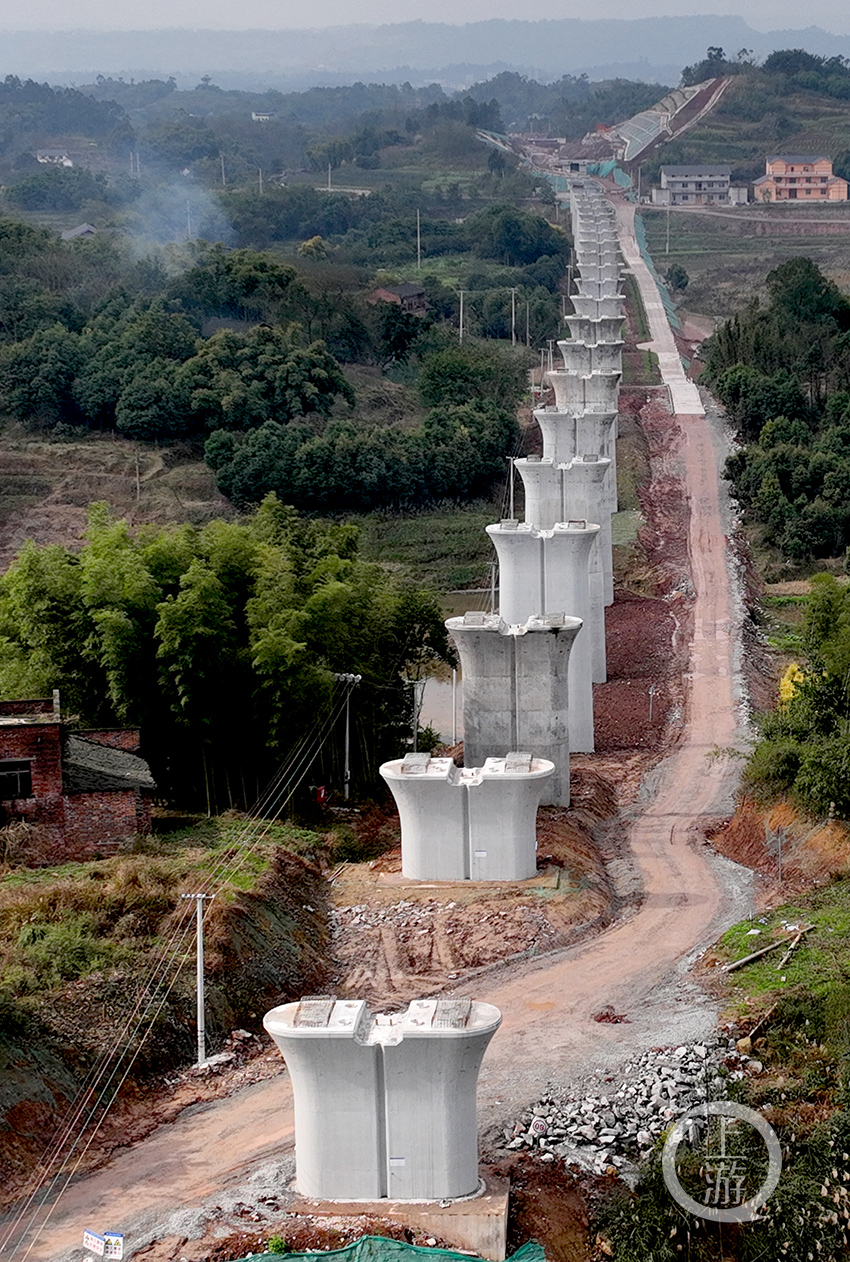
[(799, 177), (85, 791)]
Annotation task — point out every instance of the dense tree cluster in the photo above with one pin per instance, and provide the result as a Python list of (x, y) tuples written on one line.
[(220, 643), (804, 748), (456, 455), (782, 369)]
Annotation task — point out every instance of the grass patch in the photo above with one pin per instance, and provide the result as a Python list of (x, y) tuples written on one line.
[(821, 960), (61, 923), (444, 548), (637, 311), (783, 621)]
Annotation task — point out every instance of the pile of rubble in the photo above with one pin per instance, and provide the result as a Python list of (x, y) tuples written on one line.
[(403, 914), (605, 1133)]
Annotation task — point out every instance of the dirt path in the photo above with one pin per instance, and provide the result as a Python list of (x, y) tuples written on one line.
[(548, 1032)]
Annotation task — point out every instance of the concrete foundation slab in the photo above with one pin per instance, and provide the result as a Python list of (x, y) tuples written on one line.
[(478, 1223)]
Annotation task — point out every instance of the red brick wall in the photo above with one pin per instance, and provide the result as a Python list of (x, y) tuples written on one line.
[(42, 743), (97, 821)]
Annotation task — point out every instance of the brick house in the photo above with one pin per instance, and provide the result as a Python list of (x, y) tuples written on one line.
[(799, 177), (407, 296), (86, 791)]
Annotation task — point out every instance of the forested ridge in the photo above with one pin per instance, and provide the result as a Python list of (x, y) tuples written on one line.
[(782, 370)]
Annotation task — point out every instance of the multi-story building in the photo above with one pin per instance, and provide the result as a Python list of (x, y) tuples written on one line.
[(799, 177), (696, 186)]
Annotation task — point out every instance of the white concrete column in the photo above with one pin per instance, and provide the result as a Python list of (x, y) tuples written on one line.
[(503, 799), (520, 552), (541, 480), (486, 652), (385, 1106), (340, 1144), (596, 431), (516, 690), (578, 393), (583, 329), (431, 1060), (567, 555), (587, 497), (432, 812), (594, 308), (584, 359), (559, 434), (599, 289), (475, 823)]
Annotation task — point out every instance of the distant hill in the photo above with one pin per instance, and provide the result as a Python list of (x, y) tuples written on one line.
[(648, 49)]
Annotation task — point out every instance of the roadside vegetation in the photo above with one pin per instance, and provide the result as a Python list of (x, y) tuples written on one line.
[(800, 1018), (782, 370)]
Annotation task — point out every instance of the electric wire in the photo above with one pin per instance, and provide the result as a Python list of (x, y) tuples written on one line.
[(291, 775)]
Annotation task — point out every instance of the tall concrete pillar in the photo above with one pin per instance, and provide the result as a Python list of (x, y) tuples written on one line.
[(519, 548), (587, 497), (575, 392), (554, 579), (340, 1149), (567, 558), (594, 308), (598, 289), (516, 690), (431, 1076), (472, 823), (584, 359), (559, 434), (593, 270), (542, 481), (597, 431), (583, 329), (432, 809), (384, 1105)]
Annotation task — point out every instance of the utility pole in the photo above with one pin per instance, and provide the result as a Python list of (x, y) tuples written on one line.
[(513, 317), (460, 329), (351, 681), (667, 246), (188, 222), (418, 686), (200, 899), (223, 178), (454, 705), (329, 177), (418, 244), (527, 325), (260, 170)]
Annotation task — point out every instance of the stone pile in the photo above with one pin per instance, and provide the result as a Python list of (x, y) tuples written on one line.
[(406, 913), (607, 1132)]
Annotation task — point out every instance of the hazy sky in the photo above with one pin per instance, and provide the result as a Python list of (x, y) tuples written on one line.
[(763, 15)]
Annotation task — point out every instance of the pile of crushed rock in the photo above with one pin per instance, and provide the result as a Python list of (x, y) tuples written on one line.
[(606, 1133)]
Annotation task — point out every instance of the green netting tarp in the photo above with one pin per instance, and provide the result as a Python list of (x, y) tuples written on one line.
[(379, 1249), (663, 291)]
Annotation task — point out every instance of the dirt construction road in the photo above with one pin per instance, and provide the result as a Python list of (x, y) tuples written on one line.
[(548, 1032)]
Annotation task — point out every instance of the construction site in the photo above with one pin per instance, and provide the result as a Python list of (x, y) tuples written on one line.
[(527, 939)]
